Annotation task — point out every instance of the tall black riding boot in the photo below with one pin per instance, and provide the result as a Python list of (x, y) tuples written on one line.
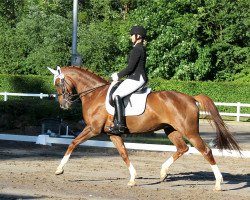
[(119, 119)]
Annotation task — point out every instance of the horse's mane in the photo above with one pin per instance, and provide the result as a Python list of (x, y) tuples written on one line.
[(89, 72)]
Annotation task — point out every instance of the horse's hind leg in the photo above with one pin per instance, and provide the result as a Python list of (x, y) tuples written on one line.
[(181, 146), (119, 144), (200, 145)]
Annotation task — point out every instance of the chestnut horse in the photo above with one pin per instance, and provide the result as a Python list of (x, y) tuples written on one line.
[(174, 112)]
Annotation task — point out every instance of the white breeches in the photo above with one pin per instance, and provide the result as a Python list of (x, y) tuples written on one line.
[(127, 87)]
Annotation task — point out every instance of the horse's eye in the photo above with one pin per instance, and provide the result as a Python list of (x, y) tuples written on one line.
[(59, 85)]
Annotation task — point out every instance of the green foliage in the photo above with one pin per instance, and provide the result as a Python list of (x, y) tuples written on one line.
[(228, 92), (187, 40), (196, 40), (11, 10), (38, 40), (218, 91), (96, 43), (26, 84)]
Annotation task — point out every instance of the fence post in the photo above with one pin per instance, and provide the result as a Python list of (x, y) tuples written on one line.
[(5, 96), (41, 95), (238, 111)]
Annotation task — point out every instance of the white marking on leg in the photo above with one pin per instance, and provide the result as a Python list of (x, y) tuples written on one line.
[(132, 175), (59, 169), (218, 177), (168, 163), (64, 161), (165, 166)]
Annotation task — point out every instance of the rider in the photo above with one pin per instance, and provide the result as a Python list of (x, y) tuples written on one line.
[(136, 77)]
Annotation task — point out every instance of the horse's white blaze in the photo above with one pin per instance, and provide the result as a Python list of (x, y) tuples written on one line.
[(132, 173), (218, 177)]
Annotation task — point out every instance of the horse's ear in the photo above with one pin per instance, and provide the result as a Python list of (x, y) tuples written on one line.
[(59, 73), (58, 70), (55, 72)]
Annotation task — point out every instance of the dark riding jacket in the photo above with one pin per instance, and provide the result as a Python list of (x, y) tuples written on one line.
[(136, 64)]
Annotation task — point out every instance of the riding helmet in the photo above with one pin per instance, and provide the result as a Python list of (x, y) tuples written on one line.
[(140, 30)]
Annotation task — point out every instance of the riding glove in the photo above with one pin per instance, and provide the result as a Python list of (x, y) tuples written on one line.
[(114, 77)]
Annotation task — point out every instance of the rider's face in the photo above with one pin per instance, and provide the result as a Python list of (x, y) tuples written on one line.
[(136, 38), (133, 39)]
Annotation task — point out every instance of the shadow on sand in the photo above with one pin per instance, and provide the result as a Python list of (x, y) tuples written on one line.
[(201, 176)]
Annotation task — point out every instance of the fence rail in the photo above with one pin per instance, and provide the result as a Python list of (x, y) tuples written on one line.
[(238, 105), (40, 95)]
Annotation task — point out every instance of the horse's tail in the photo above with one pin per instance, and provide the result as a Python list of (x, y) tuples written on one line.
[(224, 139)]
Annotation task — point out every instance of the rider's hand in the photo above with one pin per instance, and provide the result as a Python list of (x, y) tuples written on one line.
[(114, 77)]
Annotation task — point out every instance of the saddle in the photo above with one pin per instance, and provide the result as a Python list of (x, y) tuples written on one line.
[(134, 103), (126, 99)]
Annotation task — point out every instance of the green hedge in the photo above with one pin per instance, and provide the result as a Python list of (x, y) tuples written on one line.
[(26, 84), (229, 92)]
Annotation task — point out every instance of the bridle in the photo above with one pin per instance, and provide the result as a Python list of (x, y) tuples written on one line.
[(68, 96)]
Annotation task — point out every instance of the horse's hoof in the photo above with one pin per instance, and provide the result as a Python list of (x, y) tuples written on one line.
[(163, 175), (59, 171), (131, 183), (216, 188), (162, 178)]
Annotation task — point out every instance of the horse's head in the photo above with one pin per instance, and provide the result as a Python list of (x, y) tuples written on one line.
[(64, 88)]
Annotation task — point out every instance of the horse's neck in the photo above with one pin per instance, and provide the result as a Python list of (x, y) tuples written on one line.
[(85, 80)]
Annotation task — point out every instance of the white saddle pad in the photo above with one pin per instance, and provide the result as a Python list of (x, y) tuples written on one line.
[(136, 106)]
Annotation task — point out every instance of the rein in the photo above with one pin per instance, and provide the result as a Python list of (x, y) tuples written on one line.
[(67, 95), (86, 92)]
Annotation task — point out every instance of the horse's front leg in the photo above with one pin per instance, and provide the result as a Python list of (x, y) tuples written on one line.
[(82, 137), (119, 144)]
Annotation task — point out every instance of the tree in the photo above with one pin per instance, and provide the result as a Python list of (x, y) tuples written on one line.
[(38, 40), (187, 40)]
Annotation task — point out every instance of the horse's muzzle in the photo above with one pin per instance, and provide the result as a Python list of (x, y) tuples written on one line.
[(65, 105)]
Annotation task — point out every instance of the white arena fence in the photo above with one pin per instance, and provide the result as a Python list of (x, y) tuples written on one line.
[(238, 105)]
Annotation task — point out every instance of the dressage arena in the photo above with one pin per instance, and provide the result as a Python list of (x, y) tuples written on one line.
[(27, 172)]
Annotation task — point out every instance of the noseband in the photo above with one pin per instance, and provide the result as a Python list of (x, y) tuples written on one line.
[(65, 93)]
